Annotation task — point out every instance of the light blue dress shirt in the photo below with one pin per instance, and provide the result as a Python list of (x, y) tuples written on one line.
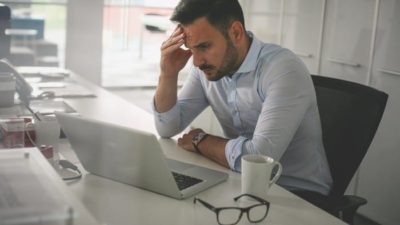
[(267, 107)]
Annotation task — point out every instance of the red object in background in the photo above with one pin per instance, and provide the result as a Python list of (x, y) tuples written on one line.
[(47, 151), (13, 132)]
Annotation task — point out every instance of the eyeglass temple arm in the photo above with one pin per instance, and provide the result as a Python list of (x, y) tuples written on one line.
[(207, 205), (252, 196)]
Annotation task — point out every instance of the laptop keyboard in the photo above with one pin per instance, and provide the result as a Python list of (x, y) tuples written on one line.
[(185, 181)]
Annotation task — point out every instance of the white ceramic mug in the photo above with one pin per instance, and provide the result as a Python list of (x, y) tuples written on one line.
[(256, 174), (47, 132)]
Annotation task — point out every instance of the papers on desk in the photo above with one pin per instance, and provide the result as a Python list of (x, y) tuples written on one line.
[(44, 72), (26, 195), (44, 107), (48, 85), (60, 90), (52, 82)]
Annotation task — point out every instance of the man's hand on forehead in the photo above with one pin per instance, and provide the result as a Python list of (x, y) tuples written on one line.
[(180, 28), (173, 55)]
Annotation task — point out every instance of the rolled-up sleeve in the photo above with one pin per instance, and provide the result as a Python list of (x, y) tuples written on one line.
[(167, 123), (233, 152), (190, 103)]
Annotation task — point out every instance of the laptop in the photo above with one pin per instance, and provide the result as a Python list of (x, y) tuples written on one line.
[(133, 157)]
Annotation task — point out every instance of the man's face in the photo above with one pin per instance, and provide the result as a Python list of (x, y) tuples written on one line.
[(212, 52)]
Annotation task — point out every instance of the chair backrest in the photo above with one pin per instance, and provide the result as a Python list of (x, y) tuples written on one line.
[(350, 115)]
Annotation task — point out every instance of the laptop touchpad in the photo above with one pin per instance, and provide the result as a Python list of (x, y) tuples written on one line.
[(178, 166)]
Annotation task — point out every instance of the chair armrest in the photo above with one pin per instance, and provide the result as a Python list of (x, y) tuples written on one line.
[(344, 206)]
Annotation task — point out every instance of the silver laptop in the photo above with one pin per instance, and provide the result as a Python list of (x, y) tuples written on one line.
[(133, 157)]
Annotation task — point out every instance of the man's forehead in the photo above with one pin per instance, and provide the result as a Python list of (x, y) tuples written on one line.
[(198, 32), (193, 39)]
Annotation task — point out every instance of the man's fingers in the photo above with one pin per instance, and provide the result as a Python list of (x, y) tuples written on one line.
[(173, 41), (176, 30), (170, 48), (176, 36), (185, 142)]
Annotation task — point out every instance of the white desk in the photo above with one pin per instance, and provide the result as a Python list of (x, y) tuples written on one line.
[(57, 204), (117, 204)]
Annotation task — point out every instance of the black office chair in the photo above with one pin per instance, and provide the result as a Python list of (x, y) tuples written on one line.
[(350, 115)]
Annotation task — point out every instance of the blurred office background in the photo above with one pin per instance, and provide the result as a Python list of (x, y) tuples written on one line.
[(115, 44), (126, 35)]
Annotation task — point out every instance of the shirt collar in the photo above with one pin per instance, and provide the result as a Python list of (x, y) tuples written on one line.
[(250, 62)]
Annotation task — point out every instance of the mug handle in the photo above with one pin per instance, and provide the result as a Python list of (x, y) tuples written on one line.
[(277, 174)]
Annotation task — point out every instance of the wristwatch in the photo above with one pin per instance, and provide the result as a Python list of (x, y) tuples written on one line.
[(197, 139)]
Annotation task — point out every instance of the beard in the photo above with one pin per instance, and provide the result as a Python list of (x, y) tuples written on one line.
[(228, 66)]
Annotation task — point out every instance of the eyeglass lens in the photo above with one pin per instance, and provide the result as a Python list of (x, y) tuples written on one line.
[(257, 213), (232, 215), (229, 216)]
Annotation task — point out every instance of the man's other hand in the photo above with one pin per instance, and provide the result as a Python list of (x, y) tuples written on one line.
[(185, 141), (173, 57)]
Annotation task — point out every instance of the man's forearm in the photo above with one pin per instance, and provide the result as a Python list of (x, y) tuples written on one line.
[(165, 97), (213, 147)]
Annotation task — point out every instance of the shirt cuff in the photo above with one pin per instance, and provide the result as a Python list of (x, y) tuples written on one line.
[(233, 152)]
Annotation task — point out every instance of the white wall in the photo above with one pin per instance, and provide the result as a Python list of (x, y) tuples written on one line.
[(380, 172), (84, 34)]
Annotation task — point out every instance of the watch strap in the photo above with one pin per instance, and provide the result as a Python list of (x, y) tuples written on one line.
[(196, 148), (199, 138)]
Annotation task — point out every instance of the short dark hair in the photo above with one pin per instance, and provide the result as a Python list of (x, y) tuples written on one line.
[(219, 13)]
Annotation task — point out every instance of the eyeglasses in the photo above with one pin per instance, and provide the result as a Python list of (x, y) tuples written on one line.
[(232, 215)]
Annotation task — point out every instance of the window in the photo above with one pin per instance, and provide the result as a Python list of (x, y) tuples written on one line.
[(133, 31)]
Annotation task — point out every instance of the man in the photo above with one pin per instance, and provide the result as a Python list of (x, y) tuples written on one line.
[(261, 94)]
